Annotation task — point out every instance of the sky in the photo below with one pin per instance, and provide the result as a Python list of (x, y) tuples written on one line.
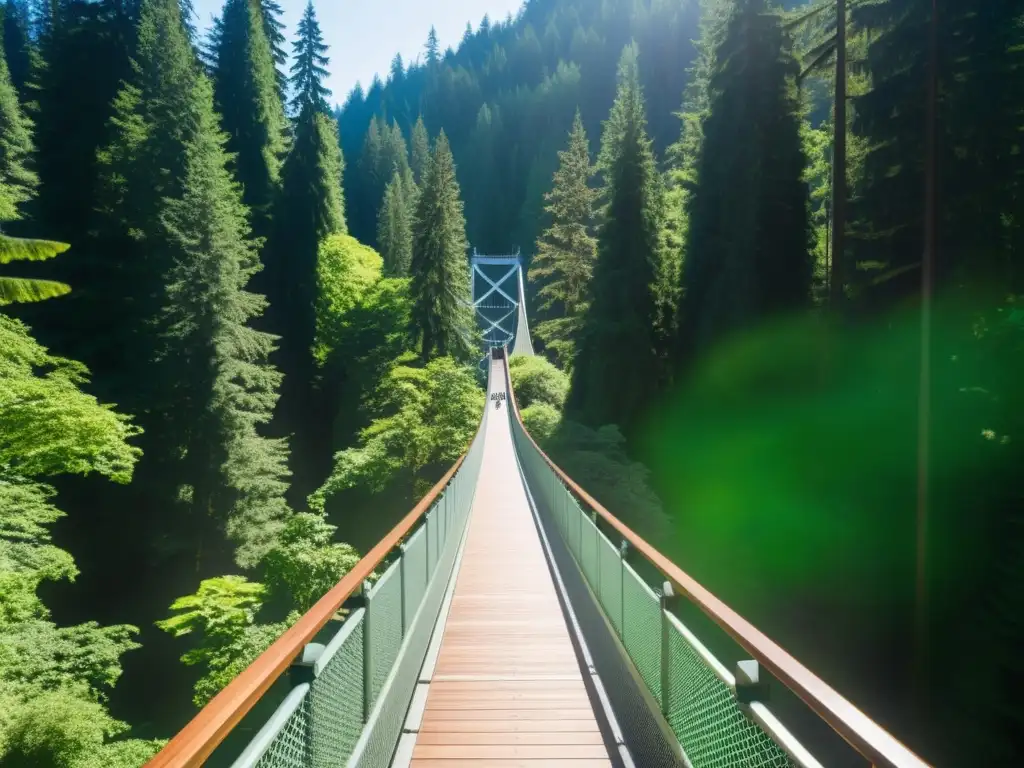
[(364, 35)]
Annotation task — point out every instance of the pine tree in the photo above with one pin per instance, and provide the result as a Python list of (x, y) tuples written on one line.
[(442, 319), (252, 113), (310, 67), (420, 150), (749, 235), (18, 47), (433, 48), (394, 224), (18, 182), (617, 369), (310, 207), (273, 29), (566, 251), (233, 476)]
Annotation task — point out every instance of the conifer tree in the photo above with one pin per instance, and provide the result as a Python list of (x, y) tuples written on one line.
[(310, 207), (394, 223), (564, 260), (18, 182), (234, 477), (747, 247), (420, 150), (433, 48), (442, 319), (18, 47), (310, 67), (273, 28), (248, 99), (616, 369)]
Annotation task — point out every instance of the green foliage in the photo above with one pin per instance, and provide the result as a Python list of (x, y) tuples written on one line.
[(219, 609), (536, 381), (17, 181), (420, 150), (224, 662), (621, 318), (422, 416), (305, 563), (541, 420), (441, 316), (346, 270), (49, 425), (566, 251)]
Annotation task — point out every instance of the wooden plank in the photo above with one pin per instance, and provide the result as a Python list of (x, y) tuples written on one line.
[(509, 726), (506, 738), (521, 751), (512, 763), (509, 714)]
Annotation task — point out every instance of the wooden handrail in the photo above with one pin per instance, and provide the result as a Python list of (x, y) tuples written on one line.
[(862, 733), (194, 743)]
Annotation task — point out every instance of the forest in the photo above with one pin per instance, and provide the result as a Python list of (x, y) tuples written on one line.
[(771, 274)]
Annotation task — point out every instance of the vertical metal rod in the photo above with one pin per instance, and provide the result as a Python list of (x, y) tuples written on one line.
[(597, 556), (402, 575), (426, 544), (667, 593), (623, 547), (367, 653)]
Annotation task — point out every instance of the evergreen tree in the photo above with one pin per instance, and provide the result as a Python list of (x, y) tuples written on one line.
[(420, 150), (749, 233), (18, 47), (230, 474), (442, 318), (252, 113), (566, 251), (273, 29), (432, 47), (394, 224), (310, 67), (310, 207), (617, 370), (18, 182)]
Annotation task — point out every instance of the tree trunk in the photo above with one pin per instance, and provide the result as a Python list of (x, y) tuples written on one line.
[(836, 278)]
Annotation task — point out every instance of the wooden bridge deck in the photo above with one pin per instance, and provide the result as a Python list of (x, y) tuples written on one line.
[(507, 689)]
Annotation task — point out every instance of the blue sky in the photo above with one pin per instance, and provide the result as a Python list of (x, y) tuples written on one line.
[(364, 35)]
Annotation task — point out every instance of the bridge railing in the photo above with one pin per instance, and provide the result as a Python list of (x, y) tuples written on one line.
[(350, 697), (717, 716)]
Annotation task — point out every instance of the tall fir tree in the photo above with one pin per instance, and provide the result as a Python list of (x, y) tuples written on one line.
[(617, 368), (433, 48), (748, 238), (419, 150), (231, 477), (273, 28), (248, 100), (18, 182), (310, 67), (18, 46), (394, 223), (564, 261), (442, 320), (309, 207)]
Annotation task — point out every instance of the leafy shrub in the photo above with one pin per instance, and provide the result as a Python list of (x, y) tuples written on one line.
[(535, 380)]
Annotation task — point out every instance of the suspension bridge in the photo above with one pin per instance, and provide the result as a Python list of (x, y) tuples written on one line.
[(510, 620)]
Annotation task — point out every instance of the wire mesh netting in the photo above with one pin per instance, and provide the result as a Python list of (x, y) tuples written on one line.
[(706, 718), (641, 632), (610, 566), (336, 698), (415, 558), (291, 746), (384, 619)]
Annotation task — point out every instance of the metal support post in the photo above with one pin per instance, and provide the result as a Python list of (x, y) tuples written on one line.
[(367, 652), (667, 595), (623, 548), (402, 575)]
